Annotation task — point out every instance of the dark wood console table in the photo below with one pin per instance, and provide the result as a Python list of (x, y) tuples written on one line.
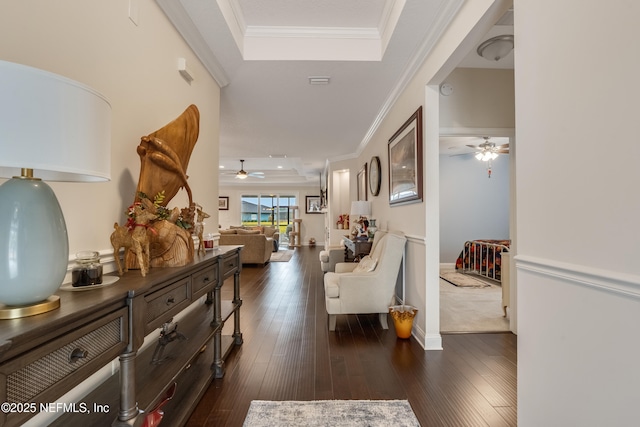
[(43, 357)]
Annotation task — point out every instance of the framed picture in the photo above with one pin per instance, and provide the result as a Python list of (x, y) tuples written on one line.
[(362, 183), (405, 162), (223, 203), (313, 205)]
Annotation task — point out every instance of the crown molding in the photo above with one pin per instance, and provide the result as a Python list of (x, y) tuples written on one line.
[(446, 13), (313, 32)]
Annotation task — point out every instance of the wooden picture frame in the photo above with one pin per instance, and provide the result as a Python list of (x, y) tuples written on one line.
[(223, 203), (405, 162), (362, 183), (313, 204)]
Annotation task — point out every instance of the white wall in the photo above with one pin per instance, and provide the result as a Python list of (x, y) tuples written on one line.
[(577, 268), (312, 225), (481, 98), (135, 67), (472, 206), (420, 221)]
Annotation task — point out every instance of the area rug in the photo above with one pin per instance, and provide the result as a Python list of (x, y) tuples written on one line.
[(330, 413), (463, 280), (281, 256)]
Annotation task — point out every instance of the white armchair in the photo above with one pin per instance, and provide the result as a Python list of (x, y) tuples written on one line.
[(330, 257), (351, 289)]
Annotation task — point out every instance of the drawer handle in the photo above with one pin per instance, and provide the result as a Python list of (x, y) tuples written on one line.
[(205, 280), (170, 300), (77, 354)]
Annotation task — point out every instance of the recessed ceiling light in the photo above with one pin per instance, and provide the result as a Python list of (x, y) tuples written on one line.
[(221, 166), (277, 156), (279, 166), (319, 80)]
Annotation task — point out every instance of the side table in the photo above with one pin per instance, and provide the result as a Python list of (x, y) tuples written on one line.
[(358, 248)]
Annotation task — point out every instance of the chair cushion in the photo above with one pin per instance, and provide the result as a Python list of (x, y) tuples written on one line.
[(232, 231), (366, 265), (331, 288)]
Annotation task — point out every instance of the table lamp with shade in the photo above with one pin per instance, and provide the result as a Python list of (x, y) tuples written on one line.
[(51, 129)]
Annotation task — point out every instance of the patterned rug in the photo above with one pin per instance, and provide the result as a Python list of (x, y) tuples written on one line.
[(331, 413), (463, 280), (281, 256)]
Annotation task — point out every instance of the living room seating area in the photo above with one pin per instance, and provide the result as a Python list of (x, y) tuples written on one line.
[(258, 241)]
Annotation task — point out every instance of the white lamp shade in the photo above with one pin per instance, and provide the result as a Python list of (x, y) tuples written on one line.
[(59, 128), (360, 208)]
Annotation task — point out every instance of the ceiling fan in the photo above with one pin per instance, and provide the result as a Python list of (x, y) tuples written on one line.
[(242, 174), (488, 150)]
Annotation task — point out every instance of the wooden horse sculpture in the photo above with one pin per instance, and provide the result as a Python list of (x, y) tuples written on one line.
[(198, 229), (133, 237)]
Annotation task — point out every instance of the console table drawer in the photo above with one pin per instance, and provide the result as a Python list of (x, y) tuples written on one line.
[(204, 280), (32, 376), (230, 265), (167, 302)]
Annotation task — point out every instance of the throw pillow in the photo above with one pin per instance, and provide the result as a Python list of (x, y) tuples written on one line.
[(232, 231), (366, 265), (240, 231), (269, 231)]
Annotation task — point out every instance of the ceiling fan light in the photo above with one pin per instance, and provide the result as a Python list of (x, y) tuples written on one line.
[(241, 175), (494, 155), (479, 156)]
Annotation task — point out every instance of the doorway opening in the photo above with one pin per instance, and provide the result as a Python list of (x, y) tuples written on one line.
[(269, 210)]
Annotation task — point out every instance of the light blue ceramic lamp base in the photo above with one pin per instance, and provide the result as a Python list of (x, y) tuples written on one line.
[(34, 246)]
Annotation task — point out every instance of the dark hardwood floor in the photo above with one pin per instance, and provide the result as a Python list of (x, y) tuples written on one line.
[(289, 354)]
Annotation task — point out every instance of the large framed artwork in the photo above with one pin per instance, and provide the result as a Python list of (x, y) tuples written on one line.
[(405, 162), (362, 183)]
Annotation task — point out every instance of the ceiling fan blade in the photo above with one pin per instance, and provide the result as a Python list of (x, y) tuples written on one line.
[(475, 147)]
